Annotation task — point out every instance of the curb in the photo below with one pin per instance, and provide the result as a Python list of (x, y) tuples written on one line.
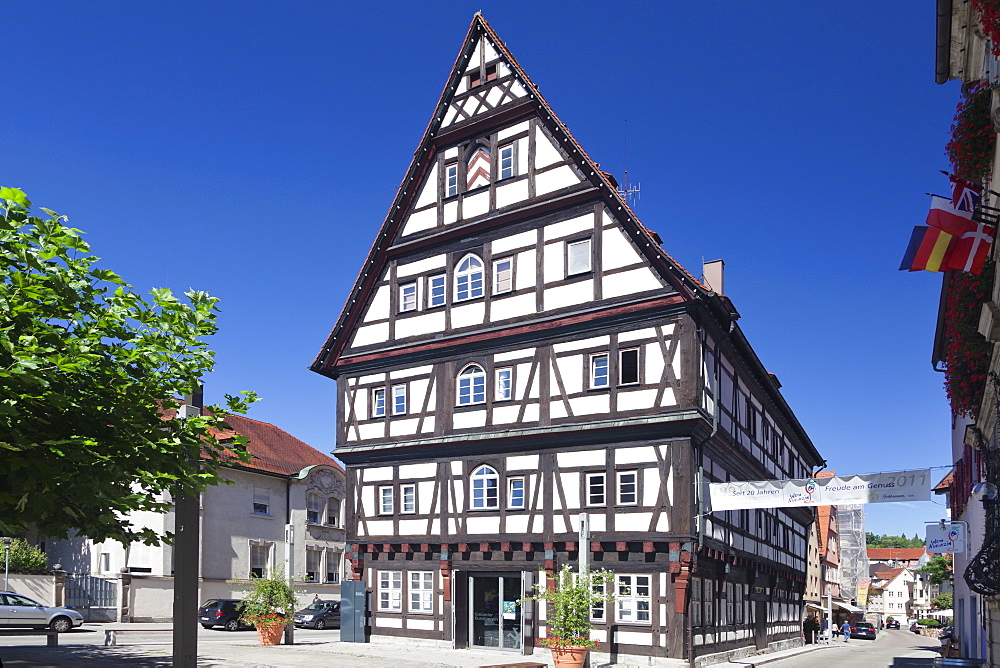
[(753, 662)]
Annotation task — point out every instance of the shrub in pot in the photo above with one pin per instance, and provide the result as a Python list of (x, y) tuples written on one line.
[(268, 605), (567, 612)]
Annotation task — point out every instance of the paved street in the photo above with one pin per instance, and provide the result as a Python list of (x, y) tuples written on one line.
[(84, 647), (892, 649)]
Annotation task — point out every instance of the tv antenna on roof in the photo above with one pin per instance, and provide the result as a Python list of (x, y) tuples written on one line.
[(629, 193)]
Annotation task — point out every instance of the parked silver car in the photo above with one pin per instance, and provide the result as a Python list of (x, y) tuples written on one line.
[(18, 610)]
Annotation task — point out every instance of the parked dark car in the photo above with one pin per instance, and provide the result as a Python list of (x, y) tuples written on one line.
[(915, 627), (319, 615), (224, 612), (892, 624), (863, 630)]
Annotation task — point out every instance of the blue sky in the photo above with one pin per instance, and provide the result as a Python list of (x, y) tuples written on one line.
[(252, 149)]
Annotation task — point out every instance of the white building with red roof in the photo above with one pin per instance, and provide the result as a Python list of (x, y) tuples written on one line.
[(281, 513)]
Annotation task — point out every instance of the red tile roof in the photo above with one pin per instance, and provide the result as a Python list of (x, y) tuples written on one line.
[(895, 553), (945, 484), (274, 450), (889, 574)]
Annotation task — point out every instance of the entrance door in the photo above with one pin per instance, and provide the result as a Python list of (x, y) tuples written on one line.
[(494, 612), (760, 624)]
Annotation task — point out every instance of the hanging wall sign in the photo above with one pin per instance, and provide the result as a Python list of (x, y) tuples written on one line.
[(868, 488), (947, 538)]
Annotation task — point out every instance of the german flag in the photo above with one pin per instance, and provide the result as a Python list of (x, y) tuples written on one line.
[(929, 250)]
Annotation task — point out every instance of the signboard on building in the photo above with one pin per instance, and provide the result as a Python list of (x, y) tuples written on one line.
[(947, 537), (869, 488)]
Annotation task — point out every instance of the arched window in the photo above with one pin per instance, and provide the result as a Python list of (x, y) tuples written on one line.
[(469, 278), (471, 385), (485, 488)]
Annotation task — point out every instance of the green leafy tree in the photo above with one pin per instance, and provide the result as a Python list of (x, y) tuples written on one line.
[(876, 540), (87, 367), (25, 558), (943, 601), (937, 570)]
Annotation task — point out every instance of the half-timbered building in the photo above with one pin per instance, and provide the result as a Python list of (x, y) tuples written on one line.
[(519, 350)]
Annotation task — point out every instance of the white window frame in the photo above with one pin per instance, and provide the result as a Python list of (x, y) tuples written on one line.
[(484, 488), (620, 494), (334, 516), (338, 562), (451, 179), (511, 483), (599, 610), (408, 297), (390, 591), (503, 383), (471, 385), (638, 367), (399, 391), (469, 278), (571, 247), (633, 607), (408, 507), (437, 290), (507, 164), (503, 279), (421, 592), (266, 547), (604, 490), (385, 500), (318, 554), (600, 381), (378, 402), (261, 502), (314, 509)]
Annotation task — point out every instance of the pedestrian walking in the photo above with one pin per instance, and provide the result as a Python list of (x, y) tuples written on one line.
[(846, 630)]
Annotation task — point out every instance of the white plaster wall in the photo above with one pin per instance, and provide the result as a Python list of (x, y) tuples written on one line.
[(378, 308), (554, 179), (569, 295), (525, 277), (467, 315)]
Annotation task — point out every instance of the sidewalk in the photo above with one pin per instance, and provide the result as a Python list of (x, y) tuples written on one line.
[(243, 650)]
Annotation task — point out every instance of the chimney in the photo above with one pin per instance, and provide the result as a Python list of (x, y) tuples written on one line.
[(712, 273)]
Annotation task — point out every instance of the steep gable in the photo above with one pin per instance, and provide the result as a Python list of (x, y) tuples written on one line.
[(492, 122)]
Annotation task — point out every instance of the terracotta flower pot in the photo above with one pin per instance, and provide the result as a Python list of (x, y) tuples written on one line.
[(569, 657), (270, 635)]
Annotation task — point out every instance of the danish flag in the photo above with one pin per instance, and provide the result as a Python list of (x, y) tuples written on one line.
[(971, 249), (478, 172)]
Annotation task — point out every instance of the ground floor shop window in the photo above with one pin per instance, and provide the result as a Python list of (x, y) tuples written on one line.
[(390, 591), (633, 602)]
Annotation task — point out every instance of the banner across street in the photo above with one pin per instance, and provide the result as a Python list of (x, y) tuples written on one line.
[(868, 488)]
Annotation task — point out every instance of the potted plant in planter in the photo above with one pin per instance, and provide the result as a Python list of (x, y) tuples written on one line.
[(268, 604), (567, 613)]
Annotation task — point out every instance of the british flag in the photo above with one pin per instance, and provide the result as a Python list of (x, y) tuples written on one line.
[(964, 194)]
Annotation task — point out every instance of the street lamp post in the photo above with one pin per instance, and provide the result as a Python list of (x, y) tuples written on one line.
[(6, 561)]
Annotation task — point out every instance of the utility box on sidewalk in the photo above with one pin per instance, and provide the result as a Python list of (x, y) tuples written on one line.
[(353, 611)]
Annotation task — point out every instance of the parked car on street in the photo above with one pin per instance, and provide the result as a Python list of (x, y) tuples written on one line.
[(915, 627), (319, 615), (892, 624), (224, 612), (18, 610), (863, 630)]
